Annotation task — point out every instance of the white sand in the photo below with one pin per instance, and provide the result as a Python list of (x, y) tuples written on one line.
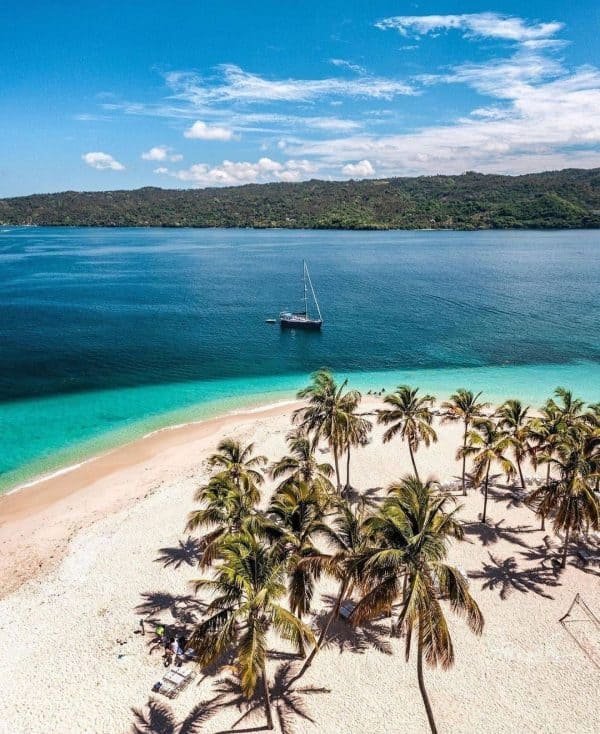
[(62, 670)]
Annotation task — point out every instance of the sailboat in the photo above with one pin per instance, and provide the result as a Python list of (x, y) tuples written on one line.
[(302, 319)]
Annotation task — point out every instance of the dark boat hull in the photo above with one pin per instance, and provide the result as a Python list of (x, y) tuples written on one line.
[(306, 324)]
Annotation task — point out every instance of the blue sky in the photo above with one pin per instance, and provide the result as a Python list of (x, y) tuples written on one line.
[(110, 95)]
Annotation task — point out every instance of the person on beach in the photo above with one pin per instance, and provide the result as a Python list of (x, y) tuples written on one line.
[(169, 651)]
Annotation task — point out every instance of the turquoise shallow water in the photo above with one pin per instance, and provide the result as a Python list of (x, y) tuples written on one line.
[(106, 335), (52, 432)]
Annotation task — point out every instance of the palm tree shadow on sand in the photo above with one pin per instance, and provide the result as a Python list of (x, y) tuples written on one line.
[(157, 717), (188, 552), (288, 701), (490, 533), (506, 576), (346, 638), (184, 611), (370, 498)]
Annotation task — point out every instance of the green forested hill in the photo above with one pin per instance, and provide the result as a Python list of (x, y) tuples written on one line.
[(569, 198)]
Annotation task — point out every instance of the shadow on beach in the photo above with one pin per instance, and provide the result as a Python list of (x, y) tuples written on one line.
[(188, 552), (506, 576)]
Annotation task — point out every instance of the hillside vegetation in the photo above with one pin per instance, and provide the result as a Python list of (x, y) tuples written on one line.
[(556, 199)]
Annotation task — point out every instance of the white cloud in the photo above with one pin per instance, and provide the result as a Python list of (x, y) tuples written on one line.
[(102, 161), (362, 169), (201, 131), (482, 25), (241, 86), (161, 153), (344, 64), (234, 173), (544, 125)]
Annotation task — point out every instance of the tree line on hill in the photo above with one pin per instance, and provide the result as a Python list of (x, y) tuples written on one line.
[(554, 199)]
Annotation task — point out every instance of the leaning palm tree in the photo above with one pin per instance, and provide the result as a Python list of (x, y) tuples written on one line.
[(410, 416), (410, 537), (512, 418), (570, 499), (247, 589), (463, 406), (327, 413), (348, 541), (238, 462), (296, 511), (488, 445), (301, 464)]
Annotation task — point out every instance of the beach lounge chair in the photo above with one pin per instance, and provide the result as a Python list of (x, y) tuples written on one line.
[(346, 609), (173, 682)]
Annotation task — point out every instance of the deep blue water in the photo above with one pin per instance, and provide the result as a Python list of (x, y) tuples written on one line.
[(107, 331)]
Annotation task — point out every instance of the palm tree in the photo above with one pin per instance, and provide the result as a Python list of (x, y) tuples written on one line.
[(247, 588), (301, 464), (546, 432), (348, 541), (238, 462), (327, 413), (463, 406), (226, 508), (297, 511), (410, 536), (512, 417), (570, 498), (411, 417), (592, 417), (487, 444), (568, 407)]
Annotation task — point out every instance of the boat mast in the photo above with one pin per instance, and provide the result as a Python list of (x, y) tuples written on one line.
[(305, 300), (312, 291)]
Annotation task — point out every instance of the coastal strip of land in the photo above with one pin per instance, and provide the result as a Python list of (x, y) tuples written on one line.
[(90, 553)]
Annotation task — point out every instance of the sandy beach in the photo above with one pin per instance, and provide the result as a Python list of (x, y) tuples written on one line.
[(85, 555)]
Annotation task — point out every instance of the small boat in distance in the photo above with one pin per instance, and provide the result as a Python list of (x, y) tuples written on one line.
[(302, 319)]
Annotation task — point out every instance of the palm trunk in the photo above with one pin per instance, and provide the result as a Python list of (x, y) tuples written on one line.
[(547, 483), (336, 462), (464, 458), (565, 549), (424, 695), (412, 458), (485, 492), (520, 468), (267, 696), (325, 630), (301, 647), (348, 469)]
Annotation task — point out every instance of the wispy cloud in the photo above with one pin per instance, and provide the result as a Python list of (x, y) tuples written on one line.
[(534, 113), (545, 125), (482, 25), (102, 161), (161, 153), (351, 66), (201, 131), (237, 85)]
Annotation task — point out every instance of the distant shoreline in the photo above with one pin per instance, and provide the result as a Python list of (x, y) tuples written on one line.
[(567, 199)]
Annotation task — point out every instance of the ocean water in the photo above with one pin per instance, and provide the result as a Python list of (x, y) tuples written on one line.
[(107, 334)]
